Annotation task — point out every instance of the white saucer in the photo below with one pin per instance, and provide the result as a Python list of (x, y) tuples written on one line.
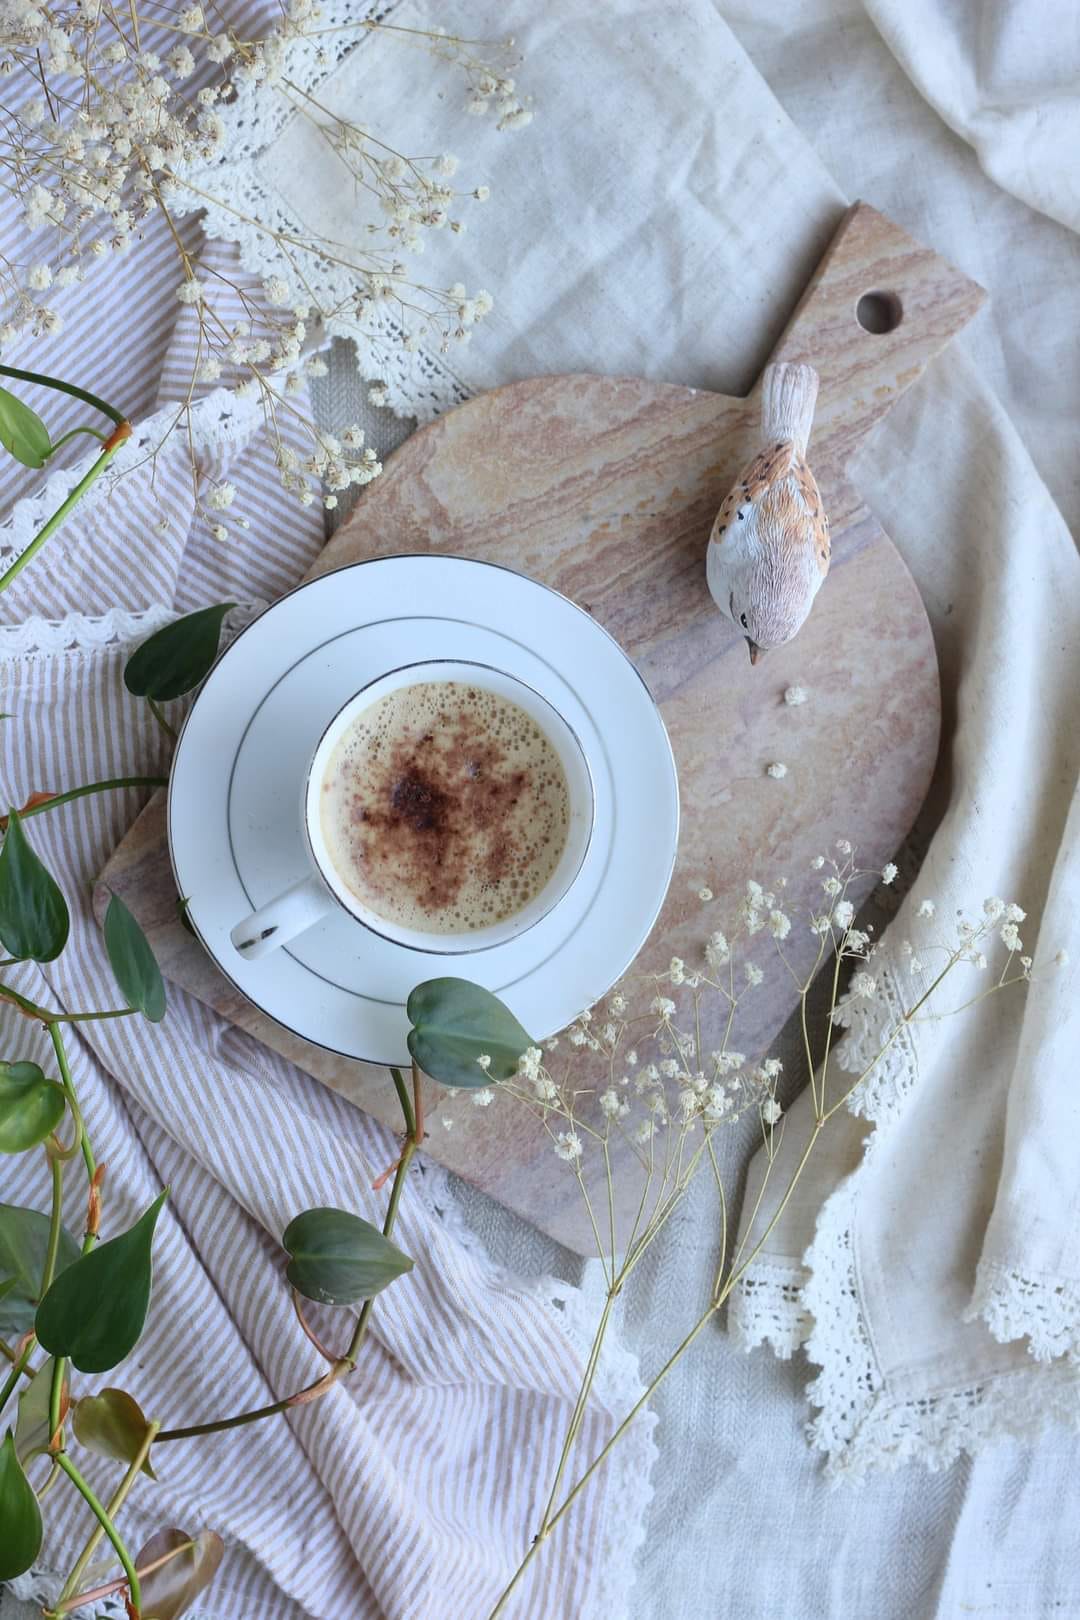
[(234, 794)]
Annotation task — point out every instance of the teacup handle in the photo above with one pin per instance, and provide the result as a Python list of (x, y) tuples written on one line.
[(281, 919)]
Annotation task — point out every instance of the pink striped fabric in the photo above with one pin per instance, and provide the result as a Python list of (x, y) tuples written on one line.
[(413, 1492)]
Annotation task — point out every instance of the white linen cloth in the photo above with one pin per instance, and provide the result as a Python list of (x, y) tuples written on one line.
[(744, 1474)]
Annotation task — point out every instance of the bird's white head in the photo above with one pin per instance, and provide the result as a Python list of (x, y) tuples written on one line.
[(770, 597)]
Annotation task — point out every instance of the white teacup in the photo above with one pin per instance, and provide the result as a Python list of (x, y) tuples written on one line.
[(300, 907)]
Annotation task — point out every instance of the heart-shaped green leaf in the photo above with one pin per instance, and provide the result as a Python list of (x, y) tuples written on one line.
[(168, 1591), (133, 962), (33, 913), (112, 1424), (20, 1516), (94, 1312), (32, 1431), (454, 1023), (177, 657), (24, 1240), (30, 1106), (338, 1258), (22, 432)]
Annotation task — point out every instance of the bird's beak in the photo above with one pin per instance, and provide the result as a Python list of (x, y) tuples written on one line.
[(756, 652)]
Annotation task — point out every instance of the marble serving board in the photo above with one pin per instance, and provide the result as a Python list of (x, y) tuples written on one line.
[(605, 488)]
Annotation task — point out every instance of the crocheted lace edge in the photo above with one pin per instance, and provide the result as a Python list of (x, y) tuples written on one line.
[(858, 1424)]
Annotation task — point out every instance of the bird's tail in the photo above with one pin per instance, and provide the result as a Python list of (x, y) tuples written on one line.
[(788, 396)]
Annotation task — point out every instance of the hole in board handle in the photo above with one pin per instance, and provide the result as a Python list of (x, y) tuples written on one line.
[(879, 312)]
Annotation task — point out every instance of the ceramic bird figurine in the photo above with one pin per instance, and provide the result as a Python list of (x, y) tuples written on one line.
[(769, 548)]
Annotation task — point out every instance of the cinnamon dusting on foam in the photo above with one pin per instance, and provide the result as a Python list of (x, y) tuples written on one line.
[(444, 807)]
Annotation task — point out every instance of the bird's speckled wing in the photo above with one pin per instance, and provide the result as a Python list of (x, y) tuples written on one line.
[(807, 485), (756, 479)]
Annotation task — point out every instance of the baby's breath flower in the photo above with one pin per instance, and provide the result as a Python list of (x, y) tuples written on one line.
[(832, 885), (818, 862), (926, 908), (39, 277), (222, 496), (644, 1132), (378, 394), (771, 1067), (677, 970), (844, 846), (483, 1098), (662, 1006), (446, 1122), (717, 950), (795, 695), (889, 871), (181, 62), (753, 973), (864, 984), (779, 924), (776, 770), (484, 1061), (219, 531), (568, 1146), (843, 913), (704, 894), (191, 20), (1015, 913), (771, 1111), (276, 289), (610, 1102), (1010, 937), (993, 908), (191, 291)]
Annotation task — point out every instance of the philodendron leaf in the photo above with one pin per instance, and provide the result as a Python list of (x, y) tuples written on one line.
[(33, 913), (168, 1591), (30, 1106), (112, 1424), (133, 962), (22, 432), (20, 1516), (177, 657), (95, 1312), (456, 1022), (32, 1431), (24, 1240), (338, 1258)]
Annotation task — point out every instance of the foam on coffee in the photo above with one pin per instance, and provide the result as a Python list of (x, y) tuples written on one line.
[(444, 807)]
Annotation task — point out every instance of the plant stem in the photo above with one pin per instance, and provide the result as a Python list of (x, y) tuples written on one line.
[(115, 1504), (64, 388), (579, 1406), (102, 1515), (405, 1101), (69, 1605), (92, 787), (73, 1101), (109, 449), (346, 1364), (12, 1380), (156, 711), (55, 1213)]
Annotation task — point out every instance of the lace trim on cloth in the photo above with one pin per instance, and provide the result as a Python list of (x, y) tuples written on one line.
[(222, 422), (419, 383), (1043, 1310), (858, 1425), (767, 1307), (618, 1385), (80, 633)]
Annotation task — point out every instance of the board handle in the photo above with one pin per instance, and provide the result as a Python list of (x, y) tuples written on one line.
[(878, 308)]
